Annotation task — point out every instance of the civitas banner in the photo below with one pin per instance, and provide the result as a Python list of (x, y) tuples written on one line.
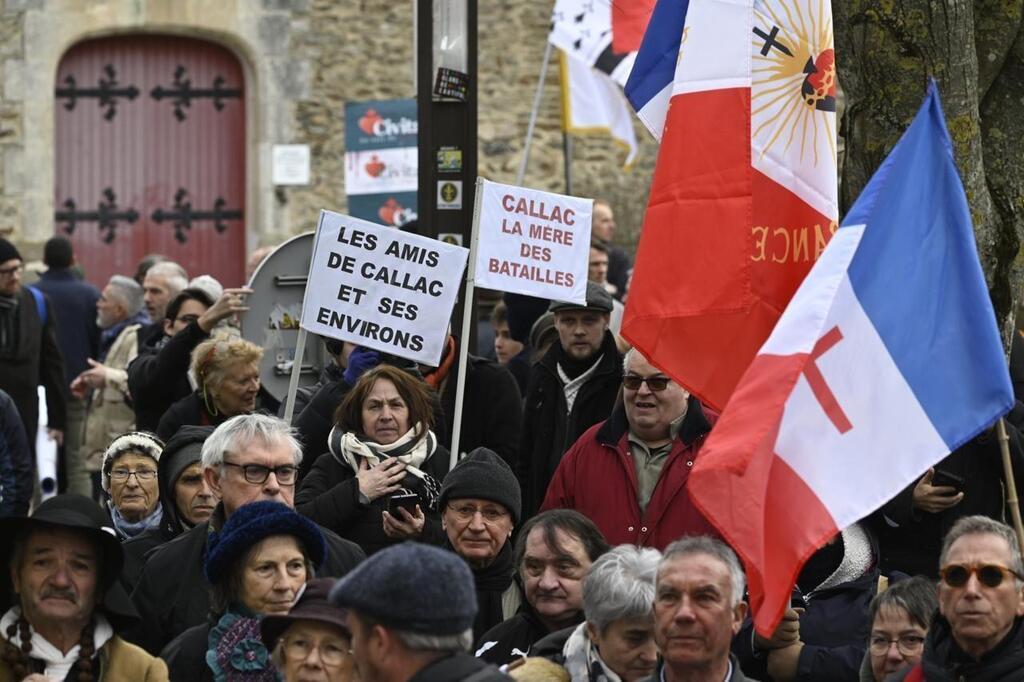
[(382, 288), (381, 160)]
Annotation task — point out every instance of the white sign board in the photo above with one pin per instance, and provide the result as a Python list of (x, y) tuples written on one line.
[(291, 164), (534, 243), (381, 288)]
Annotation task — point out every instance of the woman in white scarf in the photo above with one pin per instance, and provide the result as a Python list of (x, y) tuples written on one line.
[(378, 483), (616, 641)]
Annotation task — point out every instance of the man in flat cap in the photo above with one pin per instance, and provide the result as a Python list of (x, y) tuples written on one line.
[(569, 390), (63, 606)]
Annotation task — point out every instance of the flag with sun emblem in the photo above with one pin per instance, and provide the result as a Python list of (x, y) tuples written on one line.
[(744, 195)]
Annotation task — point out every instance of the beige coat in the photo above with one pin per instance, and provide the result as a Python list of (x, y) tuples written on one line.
[(119, 662), (109, 413)]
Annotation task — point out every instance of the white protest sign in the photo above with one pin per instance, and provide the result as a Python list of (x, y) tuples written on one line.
[(534, 243), (381, 288)]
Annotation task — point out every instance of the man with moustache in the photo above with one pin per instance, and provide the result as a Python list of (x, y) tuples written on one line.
[(628, 474), (63, 609)]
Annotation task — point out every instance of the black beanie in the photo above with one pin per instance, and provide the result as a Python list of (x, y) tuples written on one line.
[(182, 450), (483, 475), (523, 311), (8, 251)]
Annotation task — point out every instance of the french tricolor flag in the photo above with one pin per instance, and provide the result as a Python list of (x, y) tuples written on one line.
[(886, 359)]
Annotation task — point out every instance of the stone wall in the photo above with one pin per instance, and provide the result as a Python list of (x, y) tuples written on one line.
[(304, 59)]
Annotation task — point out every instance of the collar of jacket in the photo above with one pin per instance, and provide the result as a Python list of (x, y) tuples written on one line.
[(941, 651), (59, 274), (695, 424), (608, 349)]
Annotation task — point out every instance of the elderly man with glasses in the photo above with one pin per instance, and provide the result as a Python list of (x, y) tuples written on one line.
[(977, 633), (247, 458), (628, 473)]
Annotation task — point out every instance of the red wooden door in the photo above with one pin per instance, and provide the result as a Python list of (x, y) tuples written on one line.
[(150, 155)]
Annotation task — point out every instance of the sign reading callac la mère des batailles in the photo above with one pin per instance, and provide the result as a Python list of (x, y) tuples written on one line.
[(532, 242), (381, 288)]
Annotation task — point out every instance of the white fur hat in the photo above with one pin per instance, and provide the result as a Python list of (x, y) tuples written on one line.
[(138, 442)]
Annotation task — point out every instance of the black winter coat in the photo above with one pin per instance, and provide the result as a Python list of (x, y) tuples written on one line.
[(549, 429), (34, 359), (158, 376), (185, 656), (913, 544), (329, 495), (190, 411), (172, 594), (944, 661), (459, 668), (491, 410), (513, 638), (74, 304), (15, 461)]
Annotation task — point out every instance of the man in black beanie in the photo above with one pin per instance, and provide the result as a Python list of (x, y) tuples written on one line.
[(29, 354), (410, 611)]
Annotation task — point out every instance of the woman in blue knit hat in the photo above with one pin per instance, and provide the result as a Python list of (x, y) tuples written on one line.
[(257, 565)]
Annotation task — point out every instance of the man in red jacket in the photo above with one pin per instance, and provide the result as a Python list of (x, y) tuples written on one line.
[(628, 474)]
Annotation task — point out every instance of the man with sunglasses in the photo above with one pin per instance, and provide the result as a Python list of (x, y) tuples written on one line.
[(247, 458), (978, 632), (628, 474)]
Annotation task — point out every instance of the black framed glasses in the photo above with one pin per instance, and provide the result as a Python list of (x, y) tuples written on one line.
[(466, 512), (140, 474), (654, 383), (989, 575), (12, 271), (908, 645), (258, 474)]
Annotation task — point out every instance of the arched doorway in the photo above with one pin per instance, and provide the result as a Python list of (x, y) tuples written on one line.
[(150, 155)]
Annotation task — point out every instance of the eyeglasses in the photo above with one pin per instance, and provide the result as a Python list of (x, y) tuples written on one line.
[(140, 474), (258, 474), (655, 383), (989, 575), (12, 271), (466, 512), (331, 653), (908, 645)]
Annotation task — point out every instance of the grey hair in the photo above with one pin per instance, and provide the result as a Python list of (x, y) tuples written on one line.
[(173, 275), (629, 356), (128, 291), (239, 432), (704, 544), (915, 595), (436, 643), (620, 584), (983, 525)]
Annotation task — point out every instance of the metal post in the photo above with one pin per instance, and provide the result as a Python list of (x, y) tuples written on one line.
[(293, 380), (537, 96), (567, 153)]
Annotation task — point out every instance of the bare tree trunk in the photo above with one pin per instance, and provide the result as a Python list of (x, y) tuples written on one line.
[(886, 51)]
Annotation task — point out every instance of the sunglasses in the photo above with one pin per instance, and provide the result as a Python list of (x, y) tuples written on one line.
[(655, 383), (989, 575)]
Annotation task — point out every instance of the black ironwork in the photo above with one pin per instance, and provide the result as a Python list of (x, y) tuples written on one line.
[(183, 93), (107, 214), (106, 91), (184, 215)]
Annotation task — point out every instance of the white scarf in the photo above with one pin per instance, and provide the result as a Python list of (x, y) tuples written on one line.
[(58, 665), (571, 387), (411, 448), (583, 661)]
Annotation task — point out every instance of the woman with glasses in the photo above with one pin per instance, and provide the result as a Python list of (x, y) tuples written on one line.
[(899, 618), (480, 505), (129, 480), (312, 642), (228, 374), (378, 483), (257, 566)]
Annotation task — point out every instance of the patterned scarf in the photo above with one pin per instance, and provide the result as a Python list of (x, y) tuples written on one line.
[(411, 448), (236, 652), (583, 661)]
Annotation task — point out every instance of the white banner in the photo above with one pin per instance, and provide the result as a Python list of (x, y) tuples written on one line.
[(381, 288), (534, 243)]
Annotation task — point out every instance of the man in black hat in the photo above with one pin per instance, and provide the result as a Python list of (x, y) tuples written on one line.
[(570, 389), (63, 606), (410, 611), (29, 354)]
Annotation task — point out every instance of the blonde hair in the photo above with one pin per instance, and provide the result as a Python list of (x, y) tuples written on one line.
[(212, 358), (537, 669)]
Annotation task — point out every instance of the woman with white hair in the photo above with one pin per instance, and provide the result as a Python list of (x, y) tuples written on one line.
[(616, 641)]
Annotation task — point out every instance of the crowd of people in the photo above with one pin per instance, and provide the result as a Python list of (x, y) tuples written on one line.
[(197, 535)]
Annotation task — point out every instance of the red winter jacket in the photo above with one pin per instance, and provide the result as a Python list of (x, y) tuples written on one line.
[(597, 478)]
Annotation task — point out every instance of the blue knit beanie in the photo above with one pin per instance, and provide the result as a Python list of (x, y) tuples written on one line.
[(252, 523), (413, 588)]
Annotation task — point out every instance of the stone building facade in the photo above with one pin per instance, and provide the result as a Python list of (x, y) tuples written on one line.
[(302, 61)]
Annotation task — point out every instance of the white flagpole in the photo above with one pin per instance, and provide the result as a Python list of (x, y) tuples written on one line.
[(293, 380), (468, 315), (533, 115)]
